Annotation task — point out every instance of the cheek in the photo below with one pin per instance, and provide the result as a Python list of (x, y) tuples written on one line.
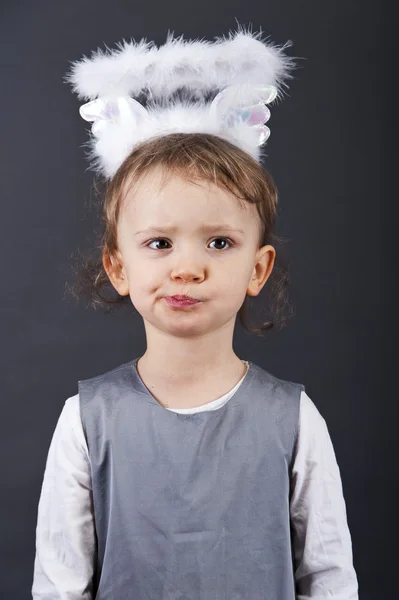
[(229, 289), (144, 279), (235, 279)]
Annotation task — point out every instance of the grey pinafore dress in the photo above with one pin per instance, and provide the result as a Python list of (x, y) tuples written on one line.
[(191, 506)]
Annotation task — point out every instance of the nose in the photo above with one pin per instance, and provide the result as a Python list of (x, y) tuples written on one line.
[(188, 272)]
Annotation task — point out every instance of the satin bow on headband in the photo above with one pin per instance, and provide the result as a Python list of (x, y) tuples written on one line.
[(105, 112), (125, 116)]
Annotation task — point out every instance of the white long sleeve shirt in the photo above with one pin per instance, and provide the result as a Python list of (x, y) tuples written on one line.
[(65, 533)]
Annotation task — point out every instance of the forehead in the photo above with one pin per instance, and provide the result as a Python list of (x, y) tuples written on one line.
[(169, 198)]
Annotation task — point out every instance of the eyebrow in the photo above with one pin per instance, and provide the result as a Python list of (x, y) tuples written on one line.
[(202, 228)]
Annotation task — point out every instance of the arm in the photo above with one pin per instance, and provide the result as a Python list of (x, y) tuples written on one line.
[(65, 533), (321, 538)]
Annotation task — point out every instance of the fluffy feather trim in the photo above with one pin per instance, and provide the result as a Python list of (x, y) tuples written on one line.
[(197, 65)]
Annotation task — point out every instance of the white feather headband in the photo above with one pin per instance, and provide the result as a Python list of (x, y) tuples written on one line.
[(242, 74)]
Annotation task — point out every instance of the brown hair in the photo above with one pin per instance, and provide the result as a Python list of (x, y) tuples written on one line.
[(195, 156)]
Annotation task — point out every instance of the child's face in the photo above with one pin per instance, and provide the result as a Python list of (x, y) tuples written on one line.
[(188, 260)]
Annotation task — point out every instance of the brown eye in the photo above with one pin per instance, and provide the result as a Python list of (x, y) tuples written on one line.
[(156, 240), (224, 240)]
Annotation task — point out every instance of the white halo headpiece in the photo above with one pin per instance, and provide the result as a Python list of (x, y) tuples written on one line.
[(242, 73)]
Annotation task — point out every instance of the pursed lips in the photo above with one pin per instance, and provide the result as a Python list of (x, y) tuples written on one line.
[(180, 298)]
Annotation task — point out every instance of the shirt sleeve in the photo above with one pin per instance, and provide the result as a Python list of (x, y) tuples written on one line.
[(65, 533), (322, 545)]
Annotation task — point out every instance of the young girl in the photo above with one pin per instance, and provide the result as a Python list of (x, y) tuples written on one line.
[(187, 472)]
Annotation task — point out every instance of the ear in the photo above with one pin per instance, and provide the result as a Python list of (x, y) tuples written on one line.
[(265, 258), (113, 265)]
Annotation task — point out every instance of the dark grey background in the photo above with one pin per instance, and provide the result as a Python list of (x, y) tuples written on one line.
[(331, 154)]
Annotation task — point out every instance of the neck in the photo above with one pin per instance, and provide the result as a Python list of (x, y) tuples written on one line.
[(182, 362)]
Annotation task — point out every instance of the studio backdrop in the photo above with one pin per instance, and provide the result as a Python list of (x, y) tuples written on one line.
[(329, 154)]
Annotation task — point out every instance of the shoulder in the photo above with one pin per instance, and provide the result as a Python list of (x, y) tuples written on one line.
[(313, 433), (92, 391), (70, 420), (70, 410), (119, 372), (271, 383), (309, 413)]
